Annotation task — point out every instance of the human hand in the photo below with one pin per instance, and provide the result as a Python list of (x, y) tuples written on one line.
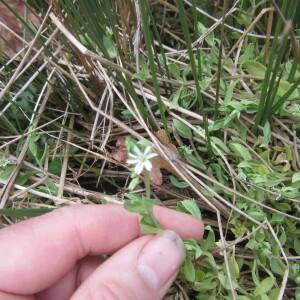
[(60, 255)]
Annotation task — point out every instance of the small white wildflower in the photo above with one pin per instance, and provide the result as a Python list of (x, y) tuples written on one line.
[(141, 159)]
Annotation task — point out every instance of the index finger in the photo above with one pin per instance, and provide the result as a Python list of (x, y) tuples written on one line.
[(37, 252)]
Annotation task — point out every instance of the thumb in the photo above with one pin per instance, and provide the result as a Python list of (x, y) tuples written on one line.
[(144, 269)]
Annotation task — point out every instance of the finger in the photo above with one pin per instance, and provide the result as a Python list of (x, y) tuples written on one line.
[(87, 267), (65, 287), (5, 296), (186, 226), (41, 250), (144, 269), (62, 289)]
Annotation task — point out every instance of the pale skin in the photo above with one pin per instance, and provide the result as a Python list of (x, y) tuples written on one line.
[(63, 255)]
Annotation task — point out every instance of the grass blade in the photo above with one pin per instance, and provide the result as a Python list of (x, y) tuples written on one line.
[(186, 33), (148, 41)]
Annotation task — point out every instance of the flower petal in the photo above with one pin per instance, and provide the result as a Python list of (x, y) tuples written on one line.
[(132, 161), (137, 151), (132, 155), (139, 168), (147, 150), (148, 165), (151, 155)]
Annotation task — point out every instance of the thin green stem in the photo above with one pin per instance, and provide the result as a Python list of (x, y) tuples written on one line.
[(147, 184), (219, 71), (283, 98), (148, 41), (186, 33)]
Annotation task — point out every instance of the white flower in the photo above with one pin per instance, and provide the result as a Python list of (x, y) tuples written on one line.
[(141, 159)]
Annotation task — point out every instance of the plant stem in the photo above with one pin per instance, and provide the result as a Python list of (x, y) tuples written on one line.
[(147, 184), (185, 29), (219, 70)]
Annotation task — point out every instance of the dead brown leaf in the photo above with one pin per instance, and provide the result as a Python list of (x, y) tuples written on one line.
[(159, 163), (120, 152)]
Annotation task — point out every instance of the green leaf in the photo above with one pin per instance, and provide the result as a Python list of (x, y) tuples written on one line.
[(296, 177), (210, 241), (175, 71), (297, 294), (143, 75), (175, 98), (37, 152), (270, 179), (195, 161), (55, 166), (295, 271), (193, 246), (144, 207), (216, 125), (277, 218), (283, 206), (240, 150), (267, 133), (177, 183), (33, 145), (264, 286), (254, 273), (189, 206), (133, 183), (297, 245), (292, 191), (43, 156), (219, 143), (258, 215), (24, 212), (229, 92), (139, 204), (49, 187), (127, 114), (182, 129), (234, 267), (149, 225), (22, 178), (6, 171), (274, 293), (224, 280), (188, 269), (201, 29), (204, 286), (143, 144), (110, 46), (130, 144), (282, 238), (248, 54), (6, 123), (255, 68), (284, 87)]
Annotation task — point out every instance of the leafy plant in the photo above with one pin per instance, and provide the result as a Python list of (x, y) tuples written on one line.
[(219, 97)]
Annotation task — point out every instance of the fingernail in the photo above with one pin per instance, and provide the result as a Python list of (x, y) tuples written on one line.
[(160, 259)]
